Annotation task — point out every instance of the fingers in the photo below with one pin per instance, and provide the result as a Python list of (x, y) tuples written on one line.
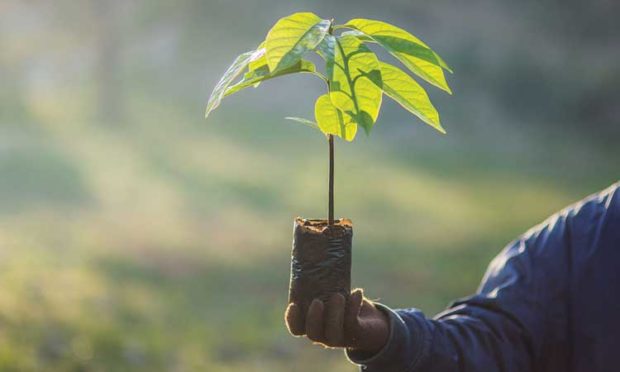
[(295, 321), (314, 321), (332, 323), (334, 320), (353, 310)]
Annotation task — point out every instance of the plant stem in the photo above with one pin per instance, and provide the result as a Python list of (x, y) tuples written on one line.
[(330, 139)]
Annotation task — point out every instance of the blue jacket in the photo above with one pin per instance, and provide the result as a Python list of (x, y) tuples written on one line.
[(550, 301)]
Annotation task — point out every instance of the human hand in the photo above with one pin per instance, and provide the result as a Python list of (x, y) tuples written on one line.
[(356, 324)]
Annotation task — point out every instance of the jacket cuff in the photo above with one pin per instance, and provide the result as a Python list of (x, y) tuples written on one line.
[(403, 348)]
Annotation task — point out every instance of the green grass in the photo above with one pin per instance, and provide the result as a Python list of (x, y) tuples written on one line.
[(165, 245)]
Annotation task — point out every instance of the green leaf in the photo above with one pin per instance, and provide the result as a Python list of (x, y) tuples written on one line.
[(260, 58), (333, 121), (408, 93), (260, 74), (306, 122), (411, 51), (350, 89), (360, 35), (240, 63), (292, 36), (326, 49)]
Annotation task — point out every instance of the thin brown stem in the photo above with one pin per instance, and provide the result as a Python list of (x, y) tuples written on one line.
[(330, 139)]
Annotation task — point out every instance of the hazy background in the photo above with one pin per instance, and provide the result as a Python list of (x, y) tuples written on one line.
[(135, 236)]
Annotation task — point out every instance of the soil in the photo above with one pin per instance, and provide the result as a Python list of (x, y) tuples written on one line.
[(321, 260)]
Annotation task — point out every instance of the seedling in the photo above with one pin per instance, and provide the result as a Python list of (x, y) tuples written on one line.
[(356, 81)]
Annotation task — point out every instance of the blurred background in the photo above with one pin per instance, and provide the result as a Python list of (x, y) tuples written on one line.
[(135, 236)]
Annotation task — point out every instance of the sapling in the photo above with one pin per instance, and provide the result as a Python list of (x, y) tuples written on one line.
[(355, 82)]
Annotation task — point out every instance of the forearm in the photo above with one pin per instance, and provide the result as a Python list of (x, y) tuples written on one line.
[(502, 328), (401, 351), (464, 339)]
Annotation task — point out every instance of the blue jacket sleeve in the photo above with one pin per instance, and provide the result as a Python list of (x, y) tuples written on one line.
[(520, 303)]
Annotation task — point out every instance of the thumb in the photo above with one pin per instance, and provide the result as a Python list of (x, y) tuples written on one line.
[(354, 307)]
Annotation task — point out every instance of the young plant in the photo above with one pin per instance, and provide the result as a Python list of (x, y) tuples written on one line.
[(356, 81), (355, 78)]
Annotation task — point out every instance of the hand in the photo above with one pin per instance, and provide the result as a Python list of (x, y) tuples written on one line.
[(357, 325)]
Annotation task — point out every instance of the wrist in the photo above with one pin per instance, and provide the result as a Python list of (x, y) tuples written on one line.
[(376, 335), (382, 331)]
